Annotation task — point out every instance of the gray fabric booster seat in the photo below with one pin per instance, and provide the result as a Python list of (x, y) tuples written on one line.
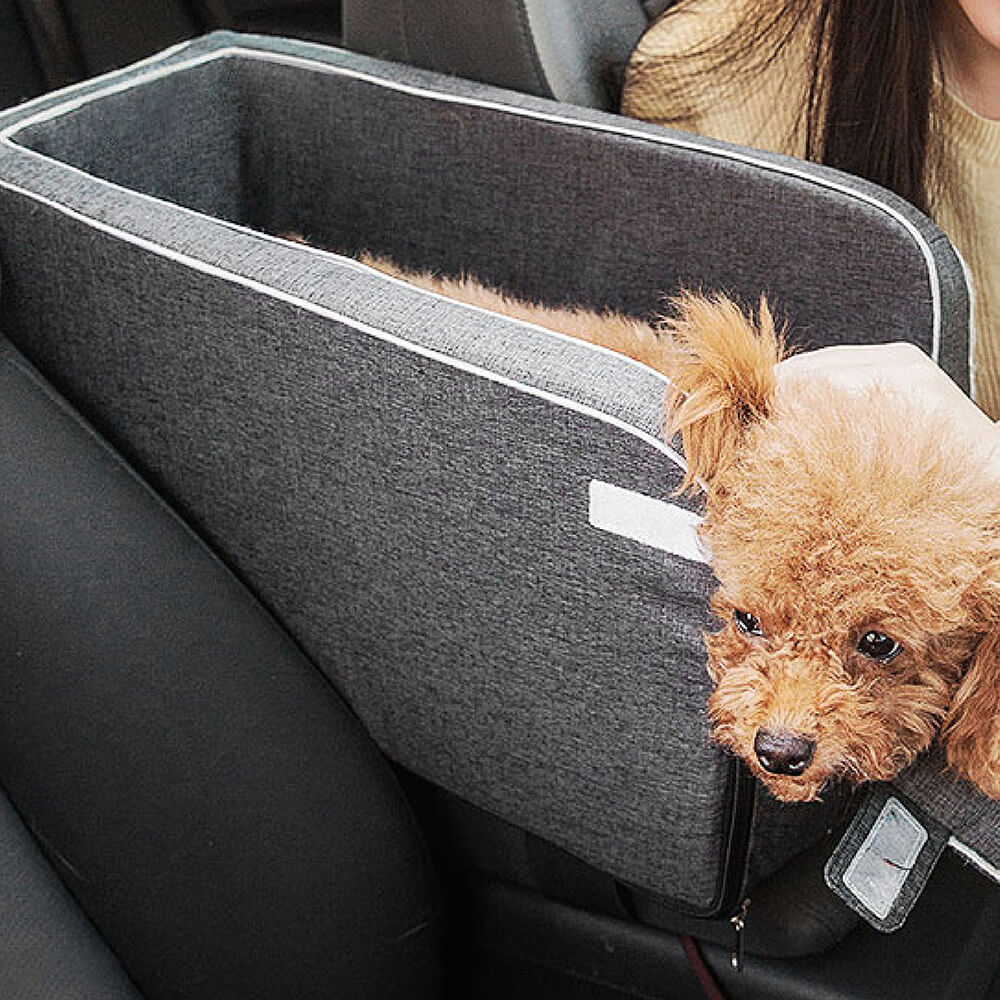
[(441, 504)]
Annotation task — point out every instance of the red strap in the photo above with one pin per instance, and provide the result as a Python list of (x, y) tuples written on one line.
[(701, 970)]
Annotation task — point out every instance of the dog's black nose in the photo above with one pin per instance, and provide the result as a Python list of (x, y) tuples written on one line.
[(783, 753)]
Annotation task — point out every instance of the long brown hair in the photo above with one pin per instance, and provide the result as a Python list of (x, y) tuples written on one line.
[(868, 103), (878, 91)]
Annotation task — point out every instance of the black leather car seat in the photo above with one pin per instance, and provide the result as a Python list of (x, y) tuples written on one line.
[(207, 818)]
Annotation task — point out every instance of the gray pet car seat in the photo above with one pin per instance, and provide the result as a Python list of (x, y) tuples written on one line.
[(437, 502)]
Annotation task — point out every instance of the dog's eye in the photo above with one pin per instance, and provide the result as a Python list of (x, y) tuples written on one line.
[(878, 646), (747, 623)]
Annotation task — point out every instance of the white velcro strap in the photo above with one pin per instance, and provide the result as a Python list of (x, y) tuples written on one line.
[(661, 525)]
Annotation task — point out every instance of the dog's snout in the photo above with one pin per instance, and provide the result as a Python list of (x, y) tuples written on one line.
[(783, 753)]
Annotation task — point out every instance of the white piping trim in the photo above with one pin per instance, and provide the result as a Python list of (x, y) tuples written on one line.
[(551, 117), (68, 107), (973, 332), (974, 858), (250, 283)]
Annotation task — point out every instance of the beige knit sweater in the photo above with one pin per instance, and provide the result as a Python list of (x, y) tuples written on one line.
[(763, 109)]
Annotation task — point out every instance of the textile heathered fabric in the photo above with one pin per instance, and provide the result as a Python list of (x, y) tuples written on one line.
[(402, 479)]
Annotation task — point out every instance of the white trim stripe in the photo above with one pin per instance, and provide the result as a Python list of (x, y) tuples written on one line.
[(666, 139), (974, 858), (973, 332)]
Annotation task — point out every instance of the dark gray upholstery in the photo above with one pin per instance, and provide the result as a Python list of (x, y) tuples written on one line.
[(405, 480), (409, 164)]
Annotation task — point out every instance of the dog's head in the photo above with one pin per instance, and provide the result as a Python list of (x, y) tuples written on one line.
[(857, 548)]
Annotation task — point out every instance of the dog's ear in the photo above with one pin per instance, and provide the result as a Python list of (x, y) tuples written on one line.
[(722, 378), (971, 731)]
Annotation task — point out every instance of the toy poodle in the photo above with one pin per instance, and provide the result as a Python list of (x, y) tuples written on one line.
[(855, 540)]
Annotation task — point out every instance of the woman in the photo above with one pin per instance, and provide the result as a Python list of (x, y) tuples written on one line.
[(903, 92)]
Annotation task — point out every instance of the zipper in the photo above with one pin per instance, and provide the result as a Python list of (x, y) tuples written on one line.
[(741, 794), (743, 789), (739, 922)]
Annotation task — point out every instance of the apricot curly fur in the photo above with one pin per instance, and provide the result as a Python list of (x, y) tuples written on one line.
[(846, 513), (721, 366), (625, 334), (829, 514)]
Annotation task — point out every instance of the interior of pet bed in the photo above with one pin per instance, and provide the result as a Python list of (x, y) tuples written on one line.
[(522, 199)]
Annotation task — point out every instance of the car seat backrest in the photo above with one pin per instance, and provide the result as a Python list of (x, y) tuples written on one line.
[(567, 49)]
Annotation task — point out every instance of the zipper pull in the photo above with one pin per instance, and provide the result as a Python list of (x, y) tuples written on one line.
[(739, 921)]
